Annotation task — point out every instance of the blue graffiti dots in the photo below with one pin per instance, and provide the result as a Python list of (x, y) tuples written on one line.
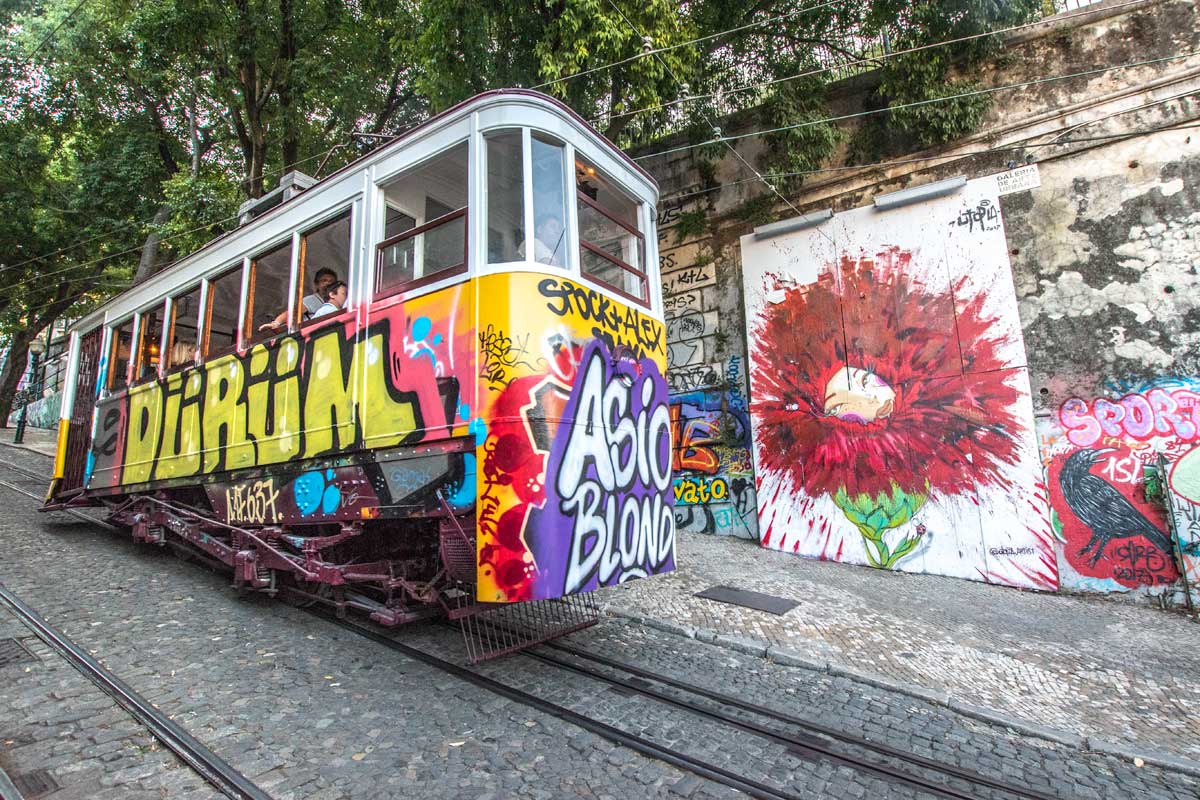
[(479, 428), (421, 328), (311, 493), (464, 412), (464, 495)]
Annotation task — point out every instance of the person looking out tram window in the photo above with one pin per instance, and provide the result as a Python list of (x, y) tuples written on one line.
[(335, 299), (310, 302)]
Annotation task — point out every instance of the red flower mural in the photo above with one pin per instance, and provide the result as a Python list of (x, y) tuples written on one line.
[(878, 390)]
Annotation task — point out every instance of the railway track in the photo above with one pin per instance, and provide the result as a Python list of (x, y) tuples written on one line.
[(203, 761), (803, 738)]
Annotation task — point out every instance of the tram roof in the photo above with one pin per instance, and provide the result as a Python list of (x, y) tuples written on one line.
[(163, 282)]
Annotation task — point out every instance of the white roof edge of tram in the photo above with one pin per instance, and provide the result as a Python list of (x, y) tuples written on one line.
[(342, 188)]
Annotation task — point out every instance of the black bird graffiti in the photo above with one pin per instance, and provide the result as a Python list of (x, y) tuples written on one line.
[(1102, 508)]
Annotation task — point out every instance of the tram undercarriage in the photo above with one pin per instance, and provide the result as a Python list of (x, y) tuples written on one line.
[(394, 571)]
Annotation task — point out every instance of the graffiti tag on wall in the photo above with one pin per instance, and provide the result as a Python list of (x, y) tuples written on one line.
[(1113, 536)]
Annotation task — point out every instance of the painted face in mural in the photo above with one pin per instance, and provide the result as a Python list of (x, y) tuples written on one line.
[(856, 395)]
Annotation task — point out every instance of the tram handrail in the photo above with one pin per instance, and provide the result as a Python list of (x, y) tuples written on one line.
[(411, 233)]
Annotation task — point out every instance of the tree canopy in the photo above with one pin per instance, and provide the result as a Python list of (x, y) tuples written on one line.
[(131, 131)]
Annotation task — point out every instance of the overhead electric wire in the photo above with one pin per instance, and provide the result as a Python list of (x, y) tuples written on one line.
[(917, 103), (713, 125), (858, 61), (946, 156), (7, 267), (656, 51), (690, 98), (49, 36)]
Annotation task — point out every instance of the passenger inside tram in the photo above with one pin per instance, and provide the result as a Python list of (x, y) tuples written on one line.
[(335, 299), (311, 302)]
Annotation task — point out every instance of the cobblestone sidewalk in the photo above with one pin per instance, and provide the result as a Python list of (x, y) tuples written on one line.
[(1106, 670), (39, 440)]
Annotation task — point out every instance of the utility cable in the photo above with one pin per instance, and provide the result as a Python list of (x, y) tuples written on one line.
[(105, 234), (918, 103), (732, 149), (858, 61), (947, 156), (656, 51)]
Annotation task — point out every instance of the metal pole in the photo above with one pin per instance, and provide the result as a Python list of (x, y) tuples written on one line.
[(19, 436)]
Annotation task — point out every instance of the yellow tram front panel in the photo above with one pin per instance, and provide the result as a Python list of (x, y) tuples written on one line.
[(574, 465)]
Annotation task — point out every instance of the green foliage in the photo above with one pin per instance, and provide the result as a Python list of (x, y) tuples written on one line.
[(691, 223), (183, 108), (757, 210), (915, 85)]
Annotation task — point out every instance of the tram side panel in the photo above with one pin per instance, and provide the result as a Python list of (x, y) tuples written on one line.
[(279, 434), (574, 481)]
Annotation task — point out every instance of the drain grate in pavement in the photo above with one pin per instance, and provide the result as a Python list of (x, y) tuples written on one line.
[(748, 599), (13, 652), (35, 784)]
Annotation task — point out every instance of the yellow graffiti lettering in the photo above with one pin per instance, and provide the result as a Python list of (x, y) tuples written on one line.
[(180, 453), (224, 418), (253, 503), (145, 426), (329, 399), (384, 421), (286, 444)]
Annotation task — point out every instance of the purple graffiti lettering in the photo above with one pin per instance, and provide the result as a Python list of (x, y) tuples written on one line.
[(612, 487)]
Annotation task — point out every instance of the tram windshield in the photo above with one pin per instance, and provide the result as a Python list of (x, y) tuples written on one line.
[(611, 248)]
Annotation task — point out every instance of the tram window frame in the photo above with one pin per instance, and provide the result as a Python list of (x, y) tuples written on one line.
[(249, 334), (460, 149), (540, 200), (206, 351), (172, 318), (138, 376), (301, 322), (114, 383), (634, 228)]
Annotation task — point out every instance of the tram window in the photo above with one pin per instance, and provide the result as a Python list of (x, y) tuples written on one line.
[(122, 349), (183, 337), (425, 226), (224, 299), (611, 249), (150, 336), (549, 201), (324, 247), (270, 279), (505, 198)]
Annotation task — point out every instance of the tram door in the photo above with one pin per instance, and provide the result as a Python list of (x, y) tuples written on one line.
[(79, 435)]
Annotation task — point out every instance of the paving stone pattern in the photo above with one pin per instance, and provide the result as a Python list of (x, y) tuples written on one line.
[(308, 710), (57, 720), (1092, 666)]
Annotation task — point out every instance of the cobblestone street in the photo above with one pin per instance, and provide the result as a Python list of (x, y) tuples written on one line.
[(1084, 666), (306, 710)]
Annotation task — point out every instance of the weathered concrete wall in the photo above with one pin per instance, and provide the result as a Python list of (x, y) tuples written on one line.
[(41, 413), (1103, 256)]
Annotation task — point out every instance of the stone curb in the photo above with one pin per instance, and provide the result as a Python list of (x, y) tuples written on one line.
[(792, 658)]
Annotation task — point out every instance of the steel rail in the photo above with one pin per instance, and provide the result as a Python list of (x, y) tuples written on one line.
[(190, 750), (640, 744), (810, 746), (951, 770)]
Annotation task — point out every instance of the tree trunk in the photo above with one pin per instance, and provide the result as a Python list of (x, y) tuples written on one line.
[(148, 264), (286, 90), (14, 368)]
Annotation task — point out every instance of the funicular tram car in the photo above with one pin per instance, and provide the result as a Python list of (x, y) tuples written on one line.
[(484, 421)]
